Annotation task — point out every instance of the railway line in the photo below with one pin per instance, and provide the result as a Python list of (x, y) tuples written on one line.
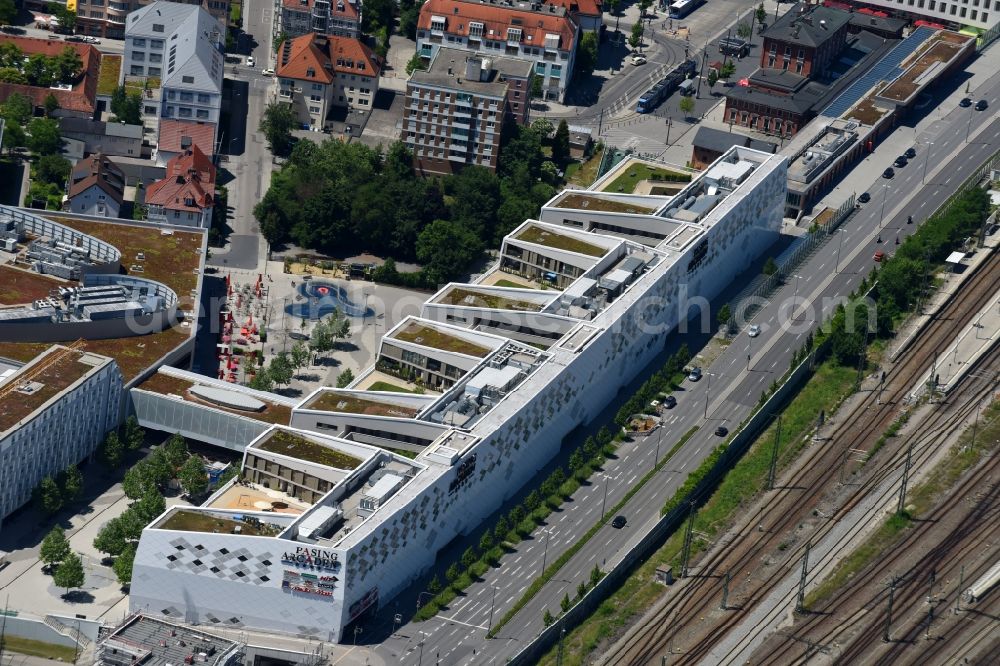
[(813, 481)]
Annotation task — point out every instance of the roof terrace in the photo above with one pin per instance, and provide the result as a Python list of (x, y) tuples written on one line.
[(191, 520), (494, 299), (164, 384), (295, 446), (245, 496), (355, 403), (428, 336), (581, 201), (550, 238), (36, 384)]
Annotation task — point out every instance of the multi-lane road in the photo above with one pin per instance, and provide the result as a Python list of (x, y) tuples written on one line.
[(457, 635)]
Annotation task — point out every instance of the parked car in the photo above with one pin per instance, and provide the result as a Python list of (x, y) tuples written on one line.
[(879, 256), (864, 198), (695, 374), (250, 61), (734, 46), (901, 161), (267, 72), (637, 60), (619, 522), (74, 38), (91, 40), (965, 103), (721, 431), (911, 153), (888, 173), (981, 105), (670, 402), (753, 331)]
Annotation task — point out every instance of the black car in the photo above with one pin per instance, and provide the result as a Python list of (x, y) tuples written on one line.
[(981, 105), (721, 431), (864, 198), (888, 173), (619, 522), (965, 103), (901, 161), (911, 153), (73, 38), (670, 402)]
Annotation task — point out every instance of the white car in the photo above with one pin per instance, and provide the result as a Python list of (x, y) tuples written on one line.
[(753, 331), (267, 72), (638, 60), (250, 61), (91, 40)]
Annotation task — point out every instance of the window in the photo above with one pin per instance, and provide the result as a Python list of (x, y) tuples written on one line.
[(187, 97), (149, 110), (136, 70), (171, 94), (317, 86), (788, 50), (202, 114), (974, 14), (475, 30), (97, 15), (556, 70), (155, 57), (138, 56), (802, 54), (154, 71), (156, 43), (184, 112), (187, 79), (930, 5), (962, 13), (138, 42), (770, 62), (363, 102), (315, 98), (513, 34), (157, 27), (203, 98)]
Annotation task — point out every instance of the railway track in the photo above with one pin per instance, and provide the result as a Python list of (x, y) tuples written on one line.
[(813, 479)]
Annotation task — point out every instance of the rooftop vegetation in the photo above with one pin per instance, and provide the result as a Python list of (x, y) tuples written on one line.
[(18, 287), (294, 446), (107, 79), (591, 202), (432, 337), (540, 236), (461, 296), (639, 172), (199, 521), (334, 401), (53, 379)]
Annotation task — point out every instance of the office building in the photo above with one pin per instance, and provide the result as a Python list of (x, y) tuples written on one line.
[(974, 16), (457, 108)]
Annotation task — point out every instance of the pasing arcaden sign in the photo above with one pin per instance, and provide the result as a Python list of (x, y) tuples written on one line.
[(311, 558)]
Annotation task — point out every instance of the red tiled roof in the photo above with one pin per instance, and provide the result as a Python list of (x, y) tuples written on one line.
[(173, 132), (535, 25), (582, 7), (190, 176), (348, 11), (314, 57), (81, 98), (97, 170)]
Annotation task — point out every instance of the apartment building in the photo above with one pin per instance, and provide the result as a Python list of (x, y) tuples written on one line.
[(456, 110), (977, 15), (318, 72), (544, 34), (341, 18), (186, 194), (107, 18), (96, 187), (179, 45)]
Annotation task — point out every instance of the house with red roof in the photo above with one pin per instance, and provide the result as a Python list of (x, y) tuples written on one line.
[(341, 18), (318, 72), (186, 194), (96, 187), (76, 98), (544, 34)]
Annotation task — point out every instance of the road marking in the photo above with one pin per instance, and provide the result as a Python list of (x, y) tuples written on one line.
[(634, 477), (683, 466), (517, 559), (464, 624)]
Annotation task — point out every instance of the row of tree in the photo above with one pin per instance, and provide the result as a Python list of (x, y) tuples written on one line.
[(57, 556), (39, 69)]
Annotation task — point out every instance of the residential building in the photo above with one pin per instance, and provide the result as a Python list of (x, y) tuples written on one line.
[(545, 35), (588, 14), (178, 136), (107, 18), (113, 139), (457, 109), (186, 195), (96, 187), (318, 72), (77, 98), (331, 522), (340, 18), (975, 15), (180, 45), (805, 40), (54, 411)]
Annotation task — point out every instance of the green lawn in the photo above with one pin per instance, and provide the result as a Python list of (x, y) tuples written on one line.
[(508, 283), (627, 182), (38, 648), (107, 79), (387, 387), (584, 173)]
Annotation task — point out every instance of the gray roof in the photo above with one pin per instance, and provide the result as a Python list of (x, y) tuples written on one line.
[(448, 70), (878, 23), (808, 26), (73, 125), (194, 33), (799, 102), (719, 141), (781, 79)]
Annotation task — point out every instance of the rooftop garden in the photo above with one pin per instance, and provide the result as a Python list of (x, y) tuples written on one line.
[(638, 172), (333, 401), (166, 384), (540, 236), (59, 375), (461, 296), (107, 79), (866, 112), (432, 337), (590, 202), (199, 521), (292, 445), (939, 51), (18, 287)]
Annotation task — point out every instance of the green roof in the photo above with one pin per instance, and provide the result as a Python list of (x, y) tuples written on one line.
[(468, 297), (432, 337), (200, 521), (540, 236), (334, 401), (294, 446)]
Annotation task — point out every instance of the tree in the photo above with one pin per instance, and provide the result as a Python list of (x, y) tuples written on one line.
[(516, 516), (299, 355), (112, 451), (17, 109), (137, 481), (576, 461), (409, 13), (486, 542), (69, 573), (192, 477), (72, 484), (724, 315), (586, 54), (123, 565), (262, 381), (345, 378), (134, 435), (560, 143), (501, 529), (581, 590), (126, 106), (44, 138), (770, 267), (12, 74), (53, 169), (149, 506), (686, 105), (591, 449), (415, 63), (728, 69), (469, 557), (595, 576), (565, 603), (68, 65), (8, 12), (635, 39), (55, 547), (110, 538), (643, 6), (550, 172), (67, 18), (536, 87), (452, 573), (547, 618), (276, 125), (744, 30), (713, 78), (280, 369), (760, 14), (434, 585), (48, 497), (446, 248), (175, 450), (279, 40), (51, 103), (532, 501)]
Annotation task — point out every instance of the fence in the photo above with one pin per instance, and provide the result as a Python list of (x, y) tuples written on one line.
[(668, 524), (756, 293)]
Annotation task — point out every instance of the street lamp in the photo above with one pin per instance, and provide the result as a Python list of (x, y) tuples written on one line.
[(708, 391), (840, 244), (545, 553), (795, 295), (605, 502), (885, 195), (749, 350), (492, 604), (423, 637), (968, 128), (927, 159)]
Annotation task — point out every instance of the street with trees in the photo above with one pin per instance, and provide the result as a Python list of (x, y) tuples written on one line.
[(55, 547), (192, 477), (276, 125), (686, 105), (69, 574), (635, 39), (586, 54)]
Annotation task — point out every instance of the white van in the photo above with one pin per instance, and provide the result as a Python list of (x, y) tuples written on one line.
[(687, 87)]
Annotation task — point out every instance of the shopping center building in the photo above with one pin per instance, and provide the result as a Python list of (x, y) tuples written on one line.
[(338, 511)]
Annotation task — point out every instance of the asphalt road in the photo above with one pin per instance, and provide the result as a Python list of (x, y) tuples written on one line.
[(457, 636)]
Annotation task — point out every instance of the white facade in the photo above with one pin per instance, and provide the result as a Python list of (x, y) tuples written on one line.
[(982, 14), (602, 330), (60, 430)]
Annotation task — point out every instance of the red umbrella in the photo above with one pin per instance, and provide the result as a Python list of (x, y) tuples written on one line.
[(745, 83)]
